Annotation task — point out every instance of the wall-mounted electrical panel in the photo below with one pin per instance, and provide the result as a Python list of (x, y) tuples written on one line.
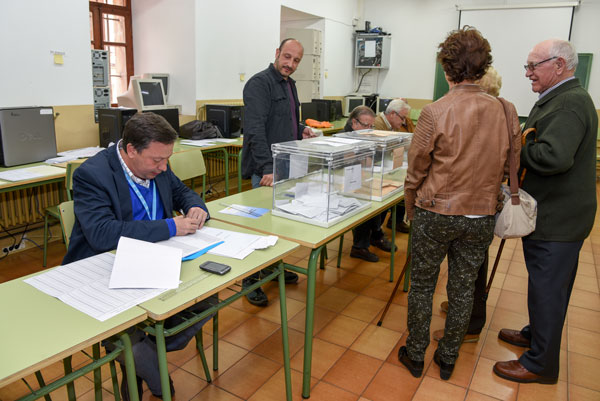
[(372, 51)]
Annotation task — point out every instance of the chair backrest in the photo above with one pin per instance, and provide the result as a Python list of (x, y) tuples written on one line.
[(67, 220), (187, 164), (71, 167)]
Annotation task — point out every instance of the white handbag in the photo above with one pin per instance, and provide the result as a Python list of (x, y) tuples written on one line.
[(519, 213)]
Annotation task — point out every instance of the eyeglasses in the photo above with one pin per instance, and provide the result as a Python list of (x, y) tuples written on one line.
[(363, 124), (531, 66), (403, 118)]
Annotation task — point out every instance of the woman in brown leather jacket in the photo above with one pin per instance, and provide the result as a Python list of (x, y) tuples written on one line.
[(457, 160)]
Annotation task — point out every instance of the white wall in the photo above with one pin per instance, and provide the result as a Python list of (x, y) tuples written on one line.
[(164, 41), (418, 26), (29, 31), (233, 37)]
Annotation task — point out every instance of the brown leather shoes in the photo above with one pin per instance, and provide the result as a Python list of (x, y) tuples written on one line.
[(514, 371), (468, 338), (514, 337)]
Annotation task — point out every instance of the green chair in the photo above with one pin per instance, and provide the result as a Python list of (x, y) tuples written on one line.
[(67, 220), (52, 211), (414, 115), (188, 165)]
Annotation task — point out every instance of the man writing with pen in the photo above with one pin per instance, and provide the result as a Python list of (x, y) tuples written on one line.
[(129, 190)]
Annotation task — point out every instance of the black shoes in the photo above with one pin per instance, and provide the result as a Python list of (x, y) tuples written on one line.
[(382, 243), (445, 368), (364, 254), (290, 277), (415, 367), (257, 297)]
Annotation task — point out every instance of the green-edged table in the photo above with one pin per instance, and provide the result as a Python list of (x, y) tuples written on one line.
[(168, 304), (39, 330), (311, 236)]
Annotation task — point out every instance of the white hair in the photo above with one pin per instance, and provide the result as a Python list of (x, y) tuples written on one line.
[(397, 105), (566, 51)]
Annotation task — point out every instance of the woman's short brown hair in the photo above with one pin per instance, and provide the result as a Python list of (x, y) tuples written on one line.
[(465, 55)]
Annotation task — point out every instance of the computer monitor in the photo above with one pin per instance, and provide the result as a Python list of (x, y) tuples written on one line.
[(143, 94), (350, 102), (164, 77), (382, 104)]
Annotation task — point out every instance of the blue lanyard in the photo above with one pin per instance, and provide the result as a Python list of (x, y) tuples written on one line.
[(141, 198)]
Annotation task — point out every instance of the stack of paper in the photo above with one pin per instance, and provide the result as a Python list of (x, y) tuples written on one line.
[(84, 286), (238, 245), (193, 245), (314, 206), (30, 173)]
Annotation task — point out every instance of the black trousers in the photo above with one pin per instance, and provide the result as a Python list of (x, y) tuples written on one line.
[(552, 267)]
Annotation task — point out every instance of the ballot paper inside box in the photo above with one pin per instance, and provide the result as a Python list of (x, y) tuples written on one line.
[(322, 181), (391, 160)]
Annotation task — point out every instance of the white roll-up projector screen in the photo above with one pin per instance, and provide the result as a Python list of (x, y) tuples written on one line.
[(512, 33)]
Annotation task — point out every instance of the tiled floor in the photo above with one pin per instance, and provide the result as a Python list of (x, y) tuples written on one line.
[(353, 358)]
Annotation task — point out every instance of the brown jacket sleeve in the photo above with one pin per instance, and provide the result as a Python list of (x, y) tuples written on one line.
[(419, 159)]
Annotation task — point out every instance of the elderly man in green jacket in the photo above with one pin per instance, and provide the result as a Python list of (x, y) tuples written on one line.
[(560, 161)]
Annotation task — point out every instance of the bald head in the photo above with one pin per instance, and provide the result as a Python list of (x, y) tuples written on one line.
[(288, 56), (549, 63)]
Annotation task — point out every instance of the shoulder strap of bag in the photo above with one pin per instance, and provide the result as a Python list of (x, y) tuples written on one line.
[(512, 163)]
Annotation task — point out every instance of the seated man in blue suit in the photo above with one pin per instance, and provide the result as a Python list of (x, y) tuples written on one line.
[(129, 190)]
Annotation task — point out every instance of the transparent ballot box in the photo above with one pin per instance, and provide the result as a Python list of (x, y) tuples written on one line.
[(322, 180), (391, 160)]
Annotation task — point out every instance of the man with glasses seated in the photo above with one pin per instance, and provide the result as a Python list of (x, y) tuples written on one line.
[(369, 232), (396, 118)]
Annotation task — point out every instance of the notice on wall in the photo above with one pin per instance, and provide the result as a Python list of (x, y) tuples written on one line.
[(352, 178), (298, 165), (370, 48)]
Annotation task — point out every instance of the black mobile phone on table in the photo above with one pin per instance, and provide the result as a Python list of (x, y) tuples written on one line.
[(214, 267)]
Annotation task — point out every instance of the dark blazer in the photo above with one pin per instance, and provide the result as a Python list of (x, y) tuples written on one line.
[(561, 163), (103, 207), (267, 119)]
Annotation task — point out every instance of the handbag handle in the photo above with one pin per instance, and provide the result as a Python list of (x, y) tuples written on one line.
[(512, 177)]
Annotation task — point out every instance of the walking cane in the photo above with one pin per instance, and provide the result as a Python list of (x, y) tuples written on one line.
[(497, 261)]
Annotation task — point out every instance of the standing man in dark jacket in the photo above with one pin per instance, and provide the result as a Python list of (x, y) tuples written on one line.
[(560, 158), (271, 115)]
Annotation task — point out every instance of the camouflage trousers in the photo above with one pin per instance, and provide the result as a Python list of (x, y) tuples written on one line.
[(465, 241)]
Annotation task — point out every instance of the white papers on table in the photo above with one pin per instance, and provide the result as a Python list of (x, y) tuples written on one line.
[(141, 264), (198, 142), (238, 245), (190, 244), (224, 140), (84, 286), (30, 173), (243, 210), (82, 152)]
